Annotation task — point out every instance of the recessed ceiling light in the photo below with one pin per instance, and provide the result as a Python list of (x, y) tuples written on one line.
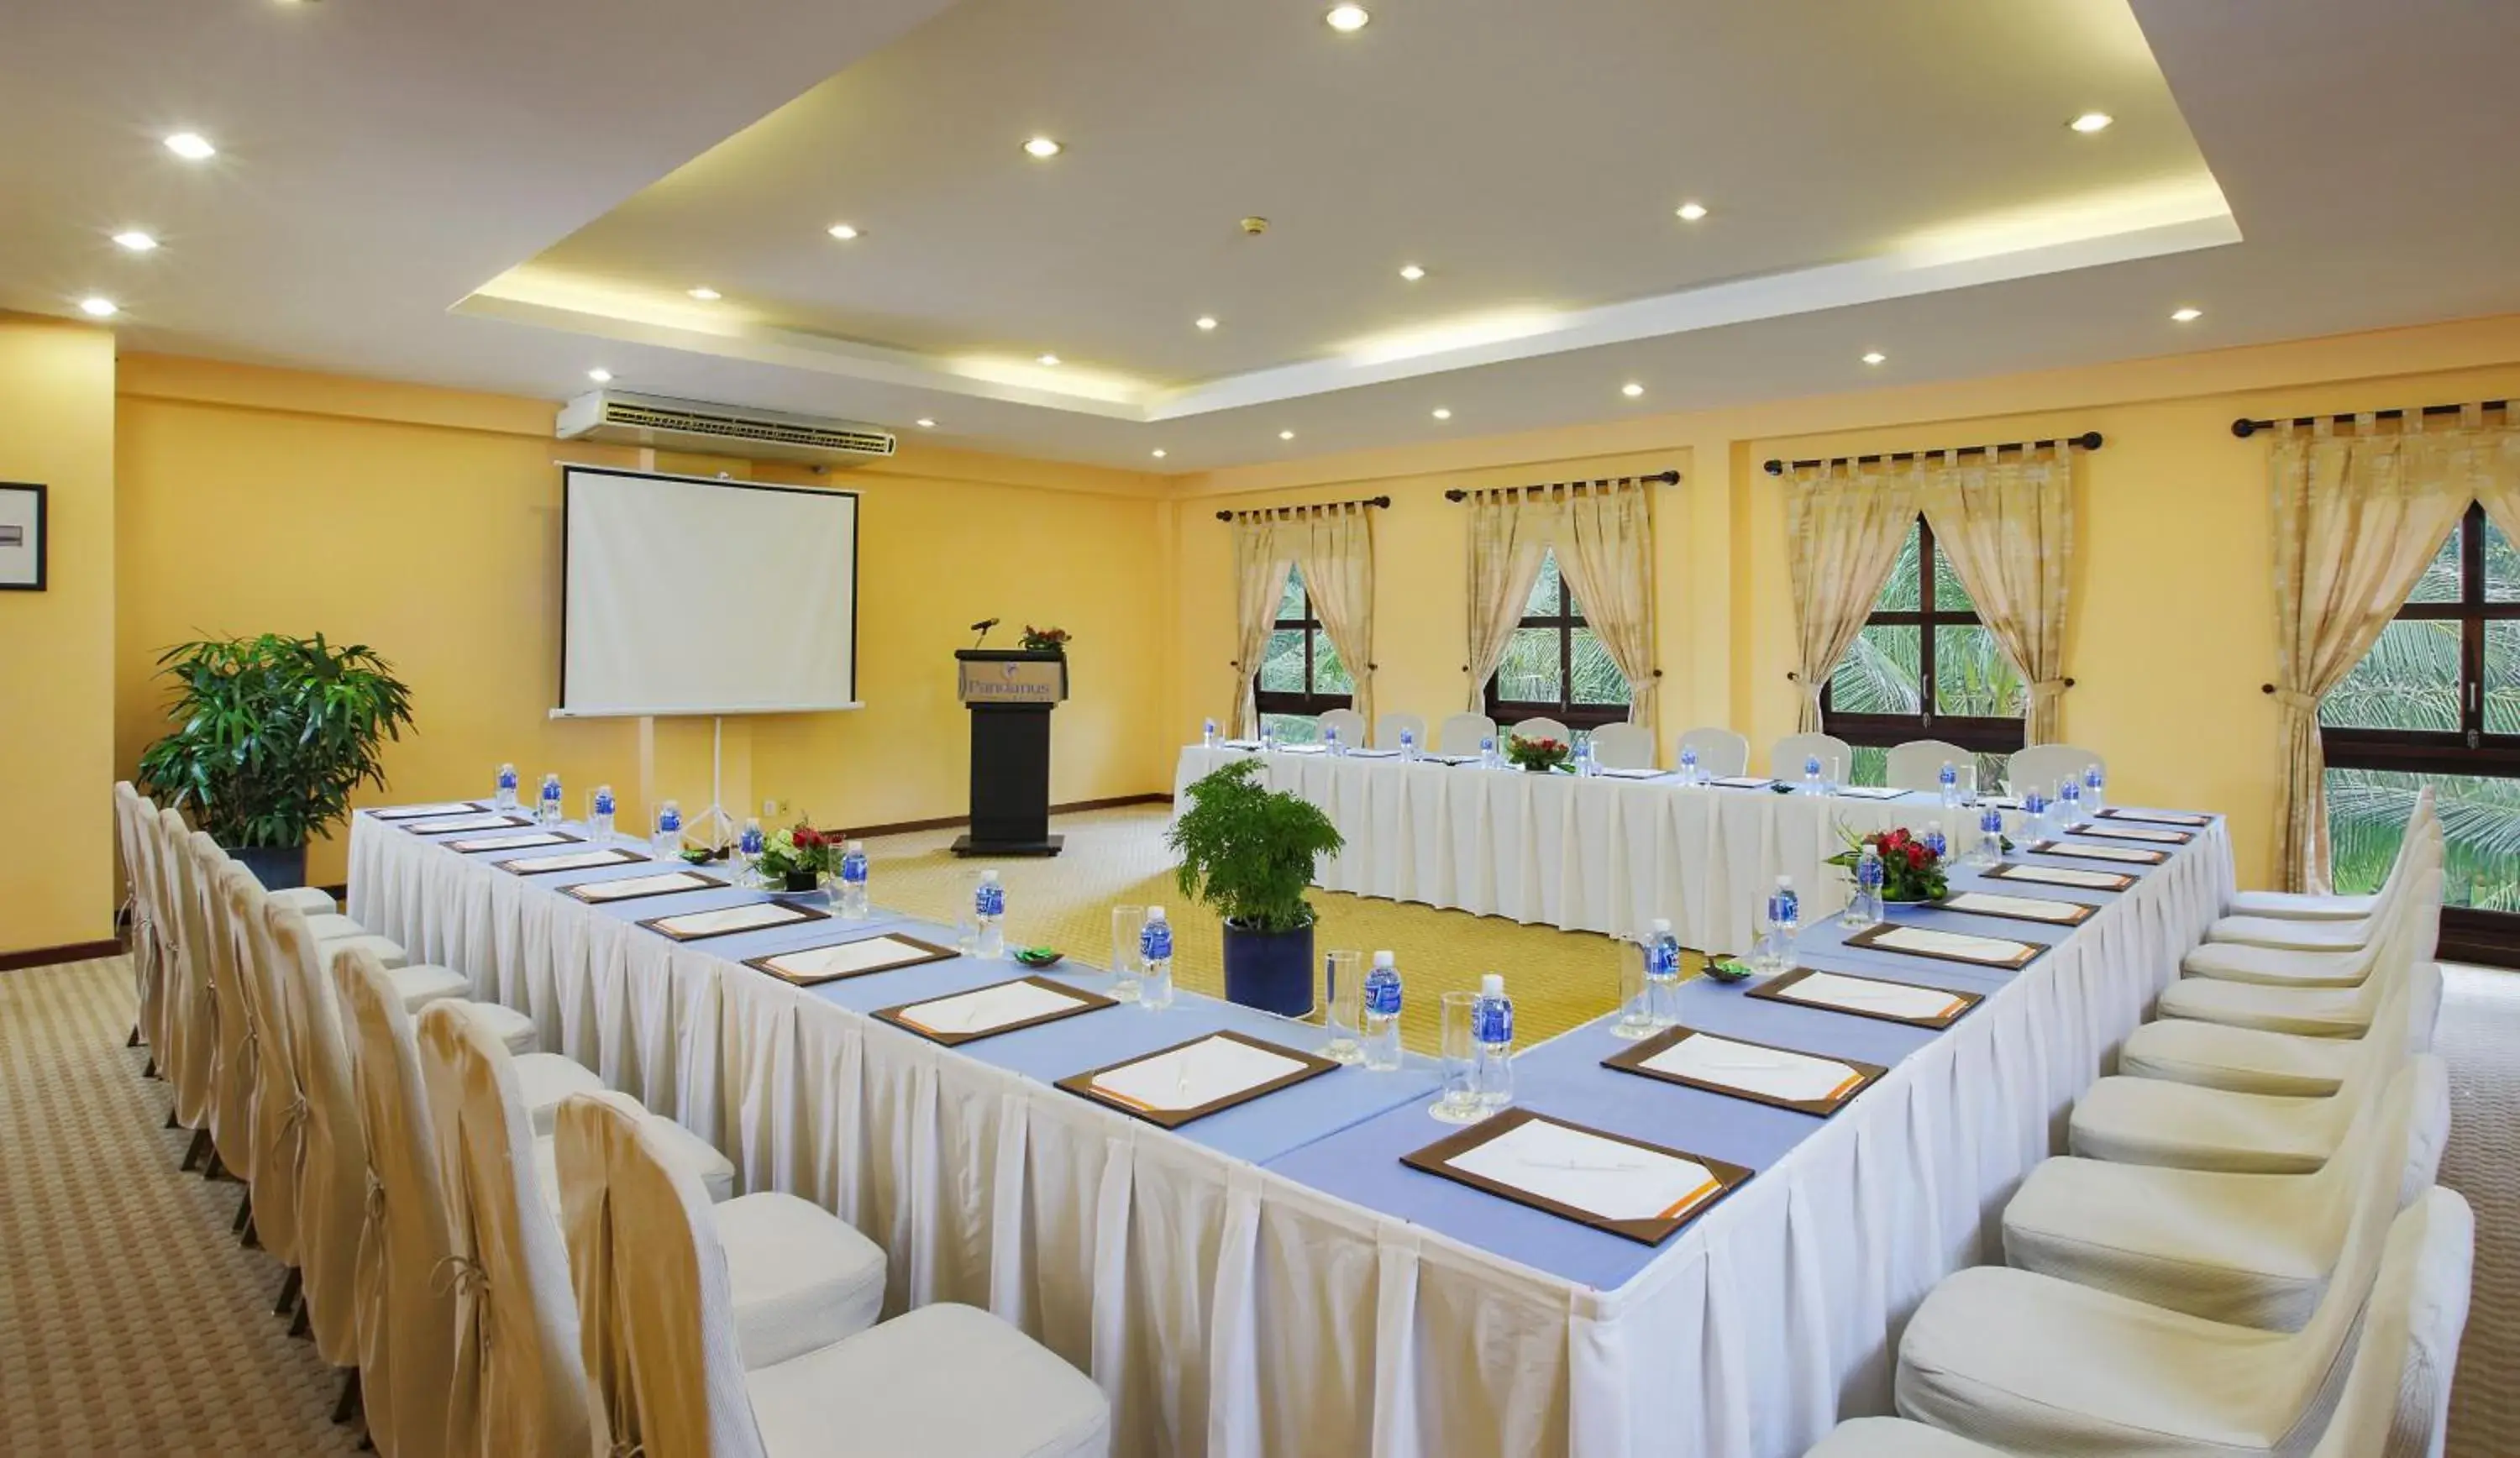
[(134, 240), (1412, 272), (1442, 414), (926, 424), (2186, 315), (1286, 436), (1347, 18), (599, 375), (1691, 212), (1874, 356), (1041, 146), (707, 294), (1206, 322), (1632, 389), (844, 232), (191, 147), (1049, 358), (99, 307), (2091, 121), (1159, 452)]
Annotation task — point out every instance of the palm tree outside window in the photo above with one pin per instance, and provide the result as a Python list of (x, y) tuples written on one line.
[(1554, 665), (1301, 677), (1924, 667)]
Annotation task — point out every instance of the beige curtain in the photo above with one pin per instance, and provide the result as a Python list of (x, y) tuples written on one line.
[(1508, 533), (1844, 524), (1259, 583), (1333, 547), (1604, 541), (2006, 525), (2357, 514)]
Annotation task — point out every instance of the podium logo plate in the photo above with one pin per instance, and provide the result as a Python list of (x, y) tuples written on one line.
[(1014, 681)]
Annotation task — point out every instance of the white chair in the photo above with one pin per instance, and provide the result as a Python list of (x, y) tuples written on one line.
[(1720, 753), (1835, 756), (2339, 968), (1349, 724), (192, 1023), (2253, 1250), (2333, 934), (2044, 766), (2251, 1060), (1896, 1437), (2317, 1011), (1539, 727), (1461, 733), (1623, 746), (2028, 1362), (1387, 730), (333, 1159), (656, 1297), (145, 968), (2305, 907), (1918, 764), (230, 1110)]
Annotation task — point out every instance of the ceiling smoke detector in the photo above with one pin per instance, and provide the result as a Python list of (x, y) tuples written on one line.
[(1255, 226)]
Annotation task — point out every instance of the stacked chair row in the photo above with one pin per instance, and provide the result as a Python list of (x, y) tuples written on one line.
[(397, 1142), (2245, 1251)]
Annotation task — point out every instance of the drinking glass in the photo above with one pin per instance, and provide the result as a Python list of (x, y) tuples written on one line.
[(1345, 999), (1964, 783), (1635, 1005), (966, 916), (1126, 923), (1460, 1101)]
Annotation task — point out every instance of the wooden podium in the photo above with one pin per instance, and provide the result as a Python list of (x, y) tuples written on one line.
[(1010, 692)]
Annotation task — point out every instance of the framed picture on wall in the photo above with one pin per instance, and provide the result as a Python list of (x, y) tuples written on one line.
[(21, 537)]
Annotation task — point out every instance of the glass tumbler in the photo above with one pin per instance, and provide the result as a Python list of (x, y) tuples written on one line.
[(1126, 923), (1460, 1101), (1635, 1004), (1344, 997)]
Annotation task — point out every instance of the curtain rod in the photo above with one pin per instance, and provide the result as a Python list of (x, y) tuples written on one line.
[(1666, 477), (2089, 441), (2244, 427), (1370, 501)]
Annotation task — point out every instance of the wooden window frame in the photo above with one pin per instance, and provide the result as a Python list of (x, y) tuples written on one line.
[(1976, 733), (1564, 621), (1307, 704)]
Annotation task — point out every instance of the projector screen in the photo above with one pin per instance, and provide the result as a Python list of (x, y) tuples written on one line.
[(682, 595)]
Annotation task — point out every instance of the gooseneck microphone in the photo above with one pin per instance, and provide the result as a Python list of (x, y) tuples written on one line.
[(982, 628)]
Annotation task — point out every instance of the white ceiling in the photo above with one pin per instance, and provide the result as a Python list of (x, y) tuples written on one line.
[(465, 195)]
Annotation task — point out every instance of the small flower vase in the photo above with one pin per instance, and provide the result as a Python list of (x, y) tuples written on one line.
[(799, 881)]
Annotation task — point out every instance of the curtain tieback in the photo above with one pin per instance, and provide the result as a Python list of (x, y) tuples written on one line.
[(458, 1275), (2051, 686), (375, 1201), (2294, 698)]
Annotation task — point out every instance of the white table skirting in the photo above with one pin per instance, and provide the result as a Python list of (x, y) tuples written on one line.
[(1230, 1311)]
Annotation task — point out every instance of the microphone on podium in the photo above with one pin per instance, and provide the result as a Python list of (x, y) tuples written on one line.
[(982, 628)]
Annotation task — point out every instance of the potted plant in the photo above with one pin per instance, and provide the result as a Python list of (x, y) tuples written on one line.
[(1249, 853), (272, 733), (1540, 755), (1045, 639), (1911, 870), (793, 859)]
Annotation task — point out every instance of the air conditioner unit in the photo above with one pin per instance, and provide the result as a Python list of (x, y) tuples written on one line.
[(621, 418)]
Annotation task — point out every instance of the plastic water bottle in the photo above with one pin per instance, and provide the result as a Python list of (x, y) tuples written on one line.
[(1488, 758), (506, 799), (1207, 736), (1268, 738), (1156, 961), (1662, 974), (2069, 804), (669, 829), (750, 843), (1784, 920), (1811, 775), (1330, 740), (1492, 1028), (2094, 783), (853, 879), (2033, 815), (1383, 1016), (1585, 767), (601, 822), (1951, 779), (1934, 841), (1409, 745), (1990, 836), (546, 809), (1688, 765), (989, 912), (1865, 909)]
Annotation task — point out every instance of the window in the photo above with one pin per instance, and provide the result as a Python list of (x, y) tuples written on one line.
[(1300, 676), (2437, 701), (1924, 667), (1555, 665)]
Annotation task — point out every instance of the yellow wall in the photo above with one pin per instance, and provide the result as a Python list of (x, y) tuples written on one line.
[(425, 523), (57, 647), (2173, 629)]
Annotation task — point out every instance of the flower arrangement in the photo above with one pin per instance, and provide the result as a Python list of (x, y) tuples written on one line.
[(1540, 755), (797, 855), (1911, 871), (1045, 639)]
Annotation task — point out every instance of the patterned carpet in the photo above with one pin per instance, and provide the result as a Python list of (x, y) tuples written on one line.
[(132, 1323)]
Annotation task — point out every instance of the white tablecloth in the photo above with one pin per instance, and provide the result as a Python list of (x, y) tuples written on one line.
[(1229, 1310), (1602, 855)]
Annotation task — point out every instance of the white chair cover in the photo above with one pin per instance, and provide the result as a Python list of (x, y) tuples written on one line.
[(1386, 730), (333, 1185), (2396, 1397), (233, 1054), (147, 967), (1350, 725), (1918, 764), (2251, 1060), (1896, 1437), (2317, 1011), (279, 1105), (192, 1021), (1720, 753), (1836, 756), (2044, 766), (518, 1385), (2307, 906), (1623, 746), (1462, 733), (406, 1318), (1539, 727)]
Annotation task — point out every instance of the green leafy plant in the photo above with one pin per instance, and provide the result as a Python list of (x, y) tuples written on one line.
[(799, 850), (272, 733), (1045, 639), (1249, 851)]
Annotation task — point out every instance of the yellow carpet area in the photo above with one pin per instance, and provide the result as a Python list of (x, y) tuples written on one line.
[(1117, 857)]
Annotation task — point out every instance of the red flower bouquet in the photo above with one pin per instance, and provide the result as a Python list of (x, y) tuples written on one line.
[(1911, 871), (1540, 755), (797, 855)]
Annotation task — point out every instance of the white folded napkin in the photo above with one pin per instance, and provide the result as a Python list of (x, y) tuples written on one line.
[(1602, 1177)]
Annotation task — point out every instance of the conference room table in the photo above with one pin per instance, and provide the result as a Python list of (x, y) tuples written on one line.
[(1271, 1279), (1607, 854)]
